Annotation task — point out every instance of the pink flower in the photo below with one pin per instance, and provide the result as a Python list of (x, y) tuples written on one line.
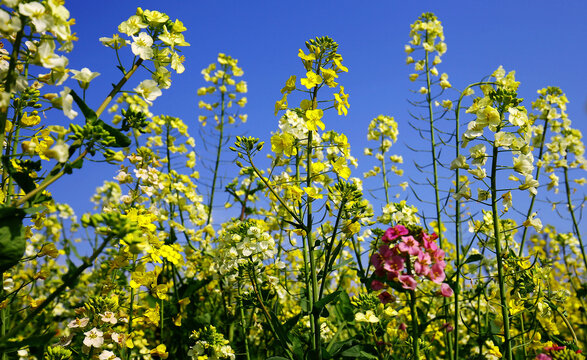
[(409, 245), (543, 357), (437, 274), (438, 255), (376, 285), (408, 282), (385, 297), (445, 290), (394, 232), (422, 265), (394, 263)]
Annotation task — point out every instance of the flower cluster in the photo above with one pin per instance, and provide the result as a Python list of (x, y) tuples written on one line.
[(221, 76), (427, 33), (210, 345), (408, 255)]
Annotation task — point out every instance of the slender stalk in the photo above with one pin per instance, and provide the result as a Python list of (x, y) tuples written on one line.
[(243, 323), (433, 150), (572, 211), (415, 330), (10, 79), (533, 197), (498, 254), (218, 153)]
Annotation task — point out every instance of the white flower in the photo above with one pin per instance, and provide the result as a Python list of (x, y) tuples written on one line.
[(84, 76), (36, 12), (517, 117), (368, 317), (78, 323), (148, 90), (93, 338), (8, 284), (59, 151), (108, 355), (109, 317), (47, 57), (459, 163), (142, 46), (67, 102)]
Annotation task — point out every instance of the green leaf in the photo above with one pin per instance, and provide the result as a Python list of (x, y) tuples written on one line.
[(346, 308), (89, 114), (473, 258), (120, 140), (356, 352), (12, 239), (320, 304)]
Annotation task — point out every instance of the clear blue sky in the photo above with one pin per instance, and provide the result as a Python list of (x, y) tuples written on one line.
[(544, 41)]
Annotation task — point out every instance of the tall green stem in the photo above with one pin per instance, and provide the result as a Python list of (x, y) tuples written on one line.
[(572, 211), (433, 150), (218, 153), (500, 271), (533, 198)]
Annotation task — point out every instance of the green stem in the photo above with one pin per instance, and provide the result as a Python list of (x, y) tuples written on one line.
[(415, 330), (498, 254), (572, 211), (218, 153), (10, 79), (243, 320), (533, 197), (433, 149)]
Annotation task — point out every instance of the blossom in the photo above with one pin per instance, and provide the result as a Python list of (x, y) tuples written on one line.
[(94, 338), (108, 355), (445, 290), (312, 79), (84, 76), (369, 316), (67, 102), (409, 245), (408, 282), (142, 46), (78, 323), (394, 232), (108, 317), (314, 119), (149, 90)]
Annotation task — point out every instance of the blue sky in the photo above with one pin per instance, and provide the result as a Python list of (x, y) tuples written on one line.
[(544, 41)]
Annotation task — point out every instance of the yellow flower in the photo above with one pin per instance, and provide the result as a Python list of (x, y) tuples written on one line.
[(30, 120), (313, 192), (341, 102), (329, 75), (160, 351), (313, 119), (283, 144), (340, 168), (290, 85), (312, 79)]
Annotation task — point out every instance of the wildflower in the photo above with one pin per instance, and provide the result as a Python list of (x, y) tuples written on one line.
[(369, 317), (393, 233), (94, 338), (78, 323), (409, 245), (108, 317), (108, 355), (149, 90), (445, 290)]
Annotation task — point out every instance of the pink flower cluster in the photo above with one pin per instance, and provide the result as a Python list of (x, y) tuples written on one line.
[(551, 350), (405, 258)]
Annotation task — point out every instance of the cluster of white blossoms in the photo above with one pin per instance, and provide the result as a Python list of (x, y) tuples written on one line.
[(399, 213), (211, 345), (243, 243), (513, 135), (155, 38)]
